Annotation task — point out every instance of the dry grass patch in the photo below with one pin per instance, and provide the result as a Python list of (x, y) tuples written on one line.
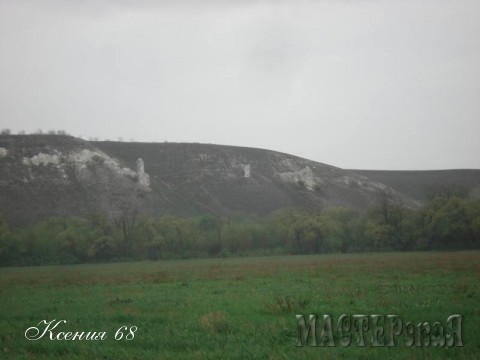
[(286, 304), (215, 322)]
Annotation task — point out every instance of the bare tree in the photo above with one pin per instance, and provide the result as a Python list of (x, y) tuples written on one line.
[(389, 206), (127, 222), (393, 212)]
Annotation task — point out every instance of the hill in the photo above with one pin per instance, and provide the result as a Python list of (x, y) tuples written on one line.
[(47, 175)]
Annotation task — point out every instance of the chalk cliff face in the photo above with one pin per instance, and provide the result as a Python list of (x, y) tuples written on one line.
[(48, 175)]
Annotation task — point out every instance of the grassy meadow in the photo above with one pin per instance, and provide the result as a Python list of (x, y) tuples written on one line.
[(236, 308)]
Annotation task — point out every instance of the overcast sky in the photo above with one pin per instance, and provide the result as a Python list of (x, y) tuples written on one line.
[(367, 84)]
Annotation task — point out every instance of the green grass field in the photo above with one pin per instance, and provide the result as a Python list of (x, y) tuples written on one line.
[(242, 308)]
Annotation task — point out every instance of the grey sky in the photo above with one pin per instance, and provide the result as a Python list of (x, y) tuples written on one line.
[(391, 84)]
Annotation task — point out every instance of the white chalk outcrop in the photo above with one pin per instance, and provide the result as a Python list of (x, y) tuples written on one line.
[(303, 176), (43, 159), (246, 170), (142, 177), (3, 152), (81, 160)]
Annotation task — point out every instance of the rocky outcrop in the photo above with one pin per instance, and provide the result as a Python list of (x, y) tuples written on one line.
[(142, 177)]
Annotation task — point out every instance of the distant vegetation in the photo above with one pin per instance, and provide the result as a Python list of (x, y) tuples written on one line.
[(448, 221), (7, 131)]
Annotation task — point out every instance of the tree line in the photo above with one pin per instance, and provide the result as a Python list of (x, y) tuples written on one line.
[(449, 220), (7, 131)]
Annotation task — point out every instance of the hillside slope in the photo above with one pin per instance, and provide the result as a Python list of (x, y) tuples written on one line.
[(417, 184), (218, 178), (46, 175)]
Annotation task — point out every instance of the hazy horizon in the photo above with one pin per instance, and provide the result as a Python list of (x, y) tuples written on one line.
[(391, 85)]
